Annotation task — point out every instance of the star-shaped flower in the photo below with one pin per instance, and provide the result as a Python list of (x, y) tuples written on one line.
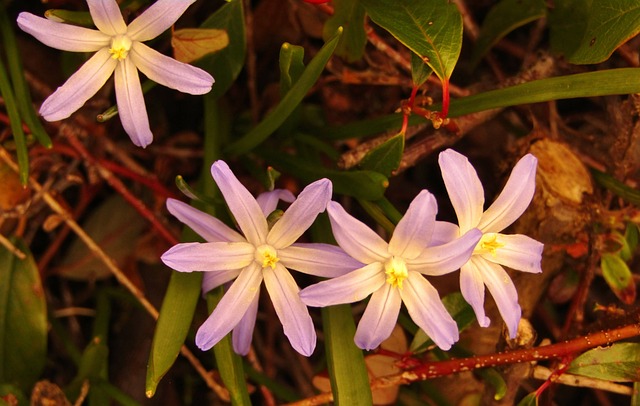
[(392, 272), (518, 252), (118, 48), (258, 254)]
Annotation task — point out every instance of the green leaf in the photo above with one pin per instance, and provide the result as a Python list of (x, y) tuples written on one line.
[(81, 18), (588, 31), (619, 363), (291, 66), (350, 15), (626, 192), (23, 319), (347, 371), (619, 278), (288, 103), (503, 18), (385, 158), (632, 237), (420, 71), (191, 44), (225, 66), (431, 29), (92, 364), (15, 121), (529, 400)]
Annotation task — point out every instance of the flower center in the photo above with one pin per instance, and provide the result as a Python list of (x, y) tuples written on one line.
[(266, 255), (488, 243), (396, 271), (120, 46)]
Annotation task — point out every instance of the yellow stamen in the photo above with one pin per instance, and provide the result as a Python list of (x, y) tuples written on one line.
[(396, 271), (120, 46), (266, 255), (489, 243)]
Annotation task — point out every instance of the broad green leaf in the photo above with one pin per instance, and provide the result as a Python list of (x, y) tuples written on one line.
[(619, 278), (631, 237), (225, 66), (23, 319), (9, 393), (385, 158), (190, 44), (588, 31), (503, 18), (348, 14), (626, 192), (347, 371), (529, 400), (288, 103), (431, 29), (619, 363), (420, 71)]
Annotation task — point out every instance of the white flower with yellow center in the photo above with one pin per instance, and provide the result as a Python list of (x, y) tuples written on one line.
[(118, 48), (392, 273), (518, 252)]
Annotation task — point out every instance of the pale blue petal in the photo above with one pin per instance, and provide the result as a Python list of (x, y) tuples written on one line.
[(107, 17), (209, 256), (231, 308), (62, 36), (243, 206), (348, 288), (205, 225), (519, 252), (325, 260), (355, 237), (131, 108), (379, 318), (442, 259), (472, 289), (503, 291), (414, 230), (268, 201), (301, 214), (464, 188), (514, 198), (427, 311), (243, 332), (79, 87), (444, 232), (157, 19), (212, 280), (293, 314), (169, 72)]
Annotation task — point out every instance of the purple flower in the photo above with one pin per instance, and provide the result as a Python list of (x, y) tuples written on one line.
[(518, 252), (118, 48), (392, 273), (258, 254)]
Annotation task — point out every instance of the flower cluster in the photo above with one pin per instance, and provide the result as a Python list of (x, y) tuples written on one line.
[(363, 264), (118, 48)]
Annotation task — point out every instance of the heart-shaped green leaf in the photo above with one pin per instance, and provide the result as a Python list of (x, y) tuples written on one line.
[(618, 363)]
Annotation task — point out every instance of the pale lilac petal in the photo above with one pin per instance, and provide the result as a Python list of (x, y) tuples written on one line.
[(212, 280), (62, 36), (325, 260), (355, 237), (442, 259), (503, 291), (414, 230), (169, 72), (519, 252), (301, 214), (79, 87), (131, 106), (208, 256), (231, 308), (472, 289), (427, 311), (157, 19), (107, 17), (348, 288), (379, 318), (444, 232), (293, 314), (243, 332), (268, 201), (464, 188), (205, 225), (514, 198), (244, 207)]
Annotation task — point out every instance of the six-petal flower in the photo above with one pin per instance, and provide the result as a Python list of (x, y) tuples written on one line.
[(118, 48)]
